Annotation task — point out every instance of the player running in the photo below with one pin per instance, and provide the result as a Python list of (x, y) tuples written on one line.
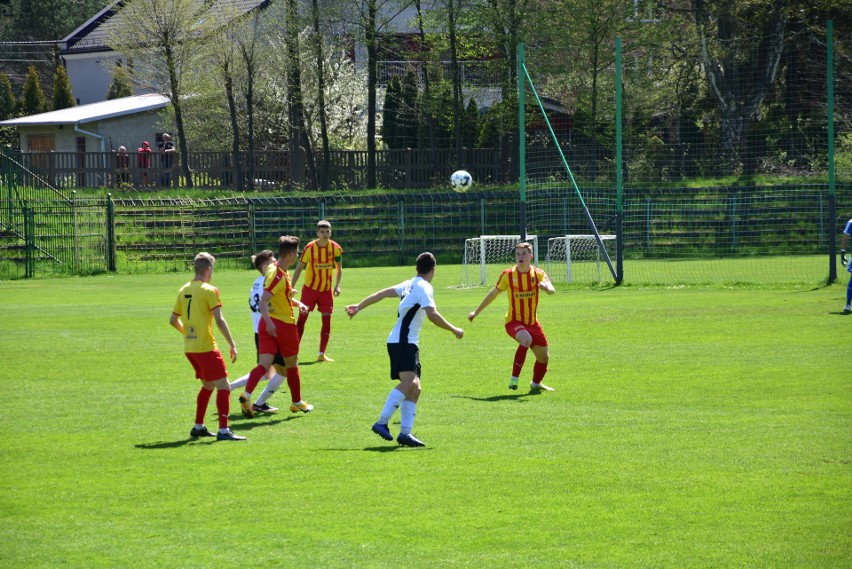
[(277, 332), (523, 282)]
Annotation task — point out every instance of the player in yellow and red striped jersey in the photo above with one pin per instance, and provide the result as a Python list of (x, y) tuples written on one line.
[(277, 333), (523, 282), (321, 258)]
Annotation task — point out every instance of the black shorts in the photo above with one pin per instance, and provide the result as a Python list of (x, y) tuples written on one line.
[(278, 359), (403, 357)]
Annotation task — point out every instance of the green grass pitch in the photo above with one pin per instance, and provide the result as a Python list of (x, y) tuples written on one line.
[(690, 427)]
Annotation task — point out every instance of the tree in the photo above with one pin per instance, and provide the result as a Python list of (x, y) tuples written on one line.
[(319, 58), (390, 113), (121, 85), (369, 18), (34, 101), (163, 38), (63, 96), (8, 102), (46, 20), (407, 119), (741, 45), (8, 106), (301, 153)]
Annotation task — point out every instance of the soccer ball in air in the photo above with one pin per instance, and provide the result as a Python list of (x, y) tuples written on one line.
[(461, 180)]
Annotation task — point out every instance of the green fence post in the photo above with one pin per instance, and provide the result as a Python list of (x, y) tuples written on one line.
[(252, 228), (400, 205), (832, 203), (29, 240), (110, 236)]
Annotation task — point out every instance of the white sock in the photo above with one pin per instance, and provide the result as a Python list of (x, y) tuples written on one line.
[(395, 397), (270, 388), (225, 430), (241, 382), (199, 425), (406, 415)]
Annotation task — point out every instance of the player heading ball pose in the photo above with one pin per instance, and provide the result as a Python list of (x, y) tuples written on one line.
[(196, 307), (416, 303), (277, 332), (320, 257), (523, 282)]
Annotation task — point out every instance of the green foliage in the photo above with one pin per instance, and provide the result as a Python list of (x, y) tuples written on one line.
[(8, 102), (650, 453), (407, 119), (45, 20), (390, 114), (120, 85), (33, 101), (470, 124), (63, 95)]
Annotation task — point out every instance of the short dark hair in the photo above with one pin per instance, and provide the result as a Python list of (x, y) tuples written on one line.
[(261, 258), (425, 263), (323, 224), (524, 245), (286, 244)]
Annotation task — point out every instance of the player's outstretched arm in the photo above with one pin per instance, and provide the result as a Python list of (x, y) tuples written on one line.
[(438, 320), (226, 332), (489, 298), (354, 309), (547, 286)]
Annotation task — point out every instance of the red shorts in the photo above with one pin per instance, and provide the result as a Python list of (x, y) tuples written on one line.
[(286, 342), (538, 337), (314, 298), (208, 366)]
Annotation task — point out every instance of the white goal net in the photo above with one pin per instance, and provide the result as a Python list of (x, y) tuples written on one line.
[(577, 258), (486, 256)]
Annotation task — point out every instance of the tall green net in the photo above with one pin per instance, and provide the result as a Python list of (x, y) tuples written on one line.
[(717, 162)]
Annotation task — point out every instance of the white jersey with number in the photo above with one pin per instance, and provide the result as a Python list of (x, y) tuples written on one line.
[(415, 295), (254, 301)]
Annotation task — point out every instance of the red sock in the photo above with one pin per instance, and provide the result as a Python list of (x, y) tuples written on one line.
[(254, 378), (201, 403), (300, 324), (223, 406), (539, 369), (520, 358), (325, 332), (294, 382)]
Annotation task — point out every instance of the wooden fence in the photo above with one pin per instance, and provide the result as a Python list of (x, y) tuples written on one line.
[(408, 168)]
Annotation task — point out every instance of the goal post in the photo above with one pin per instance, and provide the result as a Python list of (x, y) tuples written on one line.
[(577, 258), (487, 255)]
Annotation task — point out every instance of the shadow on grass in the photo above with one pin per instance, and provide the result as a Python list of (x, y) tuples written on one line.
[(174, 444), (841, 313), (241, 427), (494, 398), (386, 448)]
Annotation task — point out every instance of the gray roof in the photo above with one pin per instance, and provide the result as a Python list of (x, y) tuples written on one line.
[(94, 112), (92, 35)]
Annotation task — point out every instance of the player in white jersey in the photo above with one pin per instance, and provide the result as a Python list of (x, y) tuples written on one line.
[(844, 243), (261, 261), (417, 302)]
